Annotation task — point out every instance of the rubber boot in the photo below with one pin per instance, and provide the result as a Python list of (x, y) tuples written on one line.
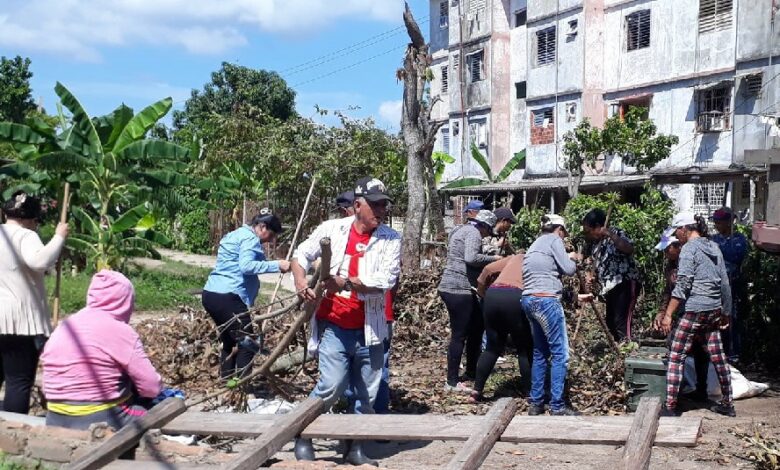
[(304, 450), (355, 455)]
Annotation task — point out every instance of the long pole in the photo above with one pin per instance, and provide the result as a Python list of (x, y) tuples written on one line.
[(58, 277), (294, 241)]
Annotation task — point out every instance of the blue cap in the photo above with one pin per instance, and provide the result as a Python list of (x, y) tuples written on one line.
[(474, 205)]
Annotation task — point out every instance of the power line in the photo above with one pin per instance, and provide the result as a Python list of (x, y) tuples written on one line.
[(347, 67), (348, 49)]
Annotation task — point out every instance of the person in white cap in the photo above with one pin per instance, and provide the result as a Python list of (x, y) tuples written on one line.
[(670, 246), (703, 286), (545, 262), (457, 290)]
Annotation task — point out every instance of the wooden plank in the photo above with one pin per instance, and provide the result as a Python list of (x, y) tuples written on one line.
[(287, 427), (220, 424), (608, 430), (393, 427), (155, 465), (639, 446), (128, 436), (479, 445), (611, 430)]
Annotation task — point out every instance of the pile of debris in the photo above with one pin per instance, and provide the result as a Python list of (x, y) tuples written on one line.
[(185, 349)]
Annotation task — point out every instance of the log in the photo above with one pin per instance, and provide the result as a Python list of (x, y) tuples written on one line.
[(639, 446), (477, 448), (290, 360), (286, 428), (127, 437)]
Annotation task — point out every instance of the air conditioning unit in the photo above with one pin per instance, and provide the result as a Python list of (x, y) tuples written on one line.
[(713, 121)]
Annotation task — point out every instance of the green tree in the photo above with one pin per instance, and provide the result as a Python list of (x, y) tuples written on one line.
[(633, 138), (114, 168), (15, 92), (510, 166), (233, 87)]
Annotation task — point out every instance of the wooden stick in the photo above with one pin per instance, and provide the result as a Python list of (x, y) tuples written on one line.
[(289, 426), (55, 308), (639, 446), (603, 322), (128, 436), (475, 450), (294, 240)]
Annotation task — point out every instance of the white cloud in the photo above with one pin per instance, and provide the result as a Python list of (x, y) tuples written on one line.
[(390, 113), (80, 27)]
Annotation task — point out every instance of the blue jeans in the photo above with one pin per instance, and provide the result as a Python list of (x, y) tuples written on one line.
[(346, 361), (551, 345), (382, 402)]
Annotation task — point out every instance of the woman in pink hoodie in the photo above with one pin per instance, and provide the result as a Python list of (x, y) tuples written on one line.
[(94, 364)]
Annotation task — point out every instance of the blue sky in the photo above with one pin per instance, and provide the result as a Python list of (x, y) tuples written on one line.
[(139, 51)]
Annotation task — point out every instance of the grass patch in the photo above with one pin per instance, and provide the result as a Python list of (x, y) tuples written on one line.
[(163, 287), (19, 463)]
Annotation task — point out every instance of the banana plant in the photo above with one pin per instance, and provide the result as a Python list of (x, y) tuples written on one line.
[(510, 166), (115, 170)]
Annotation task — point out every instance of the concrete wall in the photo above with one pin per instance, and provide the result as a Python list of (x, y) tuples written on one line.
[(500, 77), (538, 9), (567, 77), (547, 159), (750, 132), (755, 37), (518, 121)]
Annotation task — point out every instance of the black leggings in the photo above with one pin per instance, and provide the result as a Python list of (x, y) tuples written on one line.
[(18, 363), (504, 317), (223, 308), (621, 301), (466, 329)]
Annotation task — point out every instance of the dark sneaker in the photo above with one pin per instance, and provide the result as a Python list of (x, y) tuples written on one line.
[(669, 412), (535, 410), (725, 410), (565, 411)]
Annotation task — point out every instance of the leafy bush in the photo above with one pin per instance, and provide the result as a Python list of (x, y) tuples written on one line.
[(526, 230), (643, 224), (193, 232)]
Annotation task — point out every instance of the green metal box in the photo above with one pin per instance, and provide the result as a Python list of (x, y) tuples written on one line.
[(645, 374)]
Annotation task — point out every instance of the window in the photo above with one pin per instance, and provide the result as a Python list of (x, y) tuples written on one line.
[(714, 15), (477, 6), (521, 16), (545, 46), (638, 30), (476, 66), (708, 198), (444, 14), (714, 107), (519, 90), (624, 106), (543, 117), (455, 62), (478, 133), (445, 79), (752, 84), (445, 140)]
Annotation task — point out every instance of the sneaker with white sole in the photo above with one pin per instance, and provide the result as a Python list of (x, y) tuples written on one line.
[(460, 387)]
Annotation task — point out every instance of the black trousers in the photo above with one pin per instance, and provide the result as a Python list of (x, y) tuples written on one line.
[(504, 318), (621, 301), (18, 363), (226, 310), (466, 327)]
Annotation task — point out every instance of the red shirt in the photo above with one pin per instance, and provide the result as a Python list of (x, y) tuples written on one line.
[(344, 309), (389, 305)]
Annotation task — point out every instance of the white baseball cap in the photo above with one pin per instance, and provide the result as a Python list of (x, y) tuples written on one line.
[(667, 238), (683, 218), (554, 219)]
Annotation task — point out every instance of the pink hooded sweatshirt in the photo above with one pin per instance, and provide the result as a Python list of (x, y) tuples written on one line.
[(94, 354)]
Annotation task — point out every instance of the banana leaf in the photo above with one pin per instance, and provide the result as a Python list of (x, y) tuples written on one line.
[(19, 133), (88, 224), (510, 166), (83, 136), (140, 124), (129, 219), (480, 159), (152, 149), (464, 183)]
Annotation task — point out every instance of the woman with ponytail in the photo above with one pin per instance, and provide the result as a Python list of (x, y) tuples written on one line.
[(703, 287)]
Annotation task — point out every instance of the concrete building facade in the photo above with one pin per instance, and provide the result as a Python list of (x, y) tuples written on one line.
[(707, 70)]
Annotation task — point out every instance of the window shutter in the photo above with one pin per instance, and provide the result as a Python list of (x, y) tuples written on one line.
[(638, 30), (715, 15), (545, 46), (445, 79)]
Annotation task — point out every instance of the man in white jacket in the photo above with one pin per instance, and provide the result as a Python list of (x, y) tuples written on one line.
[(366, 259)]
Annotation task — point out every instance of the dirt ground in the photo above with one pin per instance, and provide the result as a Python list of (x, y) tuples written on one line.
[(416, 388)]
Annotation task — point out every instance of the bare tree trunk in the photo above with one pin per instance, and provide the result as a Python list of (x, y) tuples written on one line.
[(435, 210), (419, 135), (574, 184)]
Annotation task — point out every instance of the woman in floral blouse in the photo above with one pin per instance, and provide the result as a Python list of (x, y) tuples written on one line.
[(617, 273)]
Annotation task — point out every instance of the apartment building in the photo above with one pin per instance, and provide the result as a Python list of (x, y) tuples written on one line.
[(707, 70)]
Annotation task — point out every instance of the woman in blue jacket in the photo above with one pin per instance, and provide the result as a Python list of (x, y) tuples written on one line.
[(232, 287)]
